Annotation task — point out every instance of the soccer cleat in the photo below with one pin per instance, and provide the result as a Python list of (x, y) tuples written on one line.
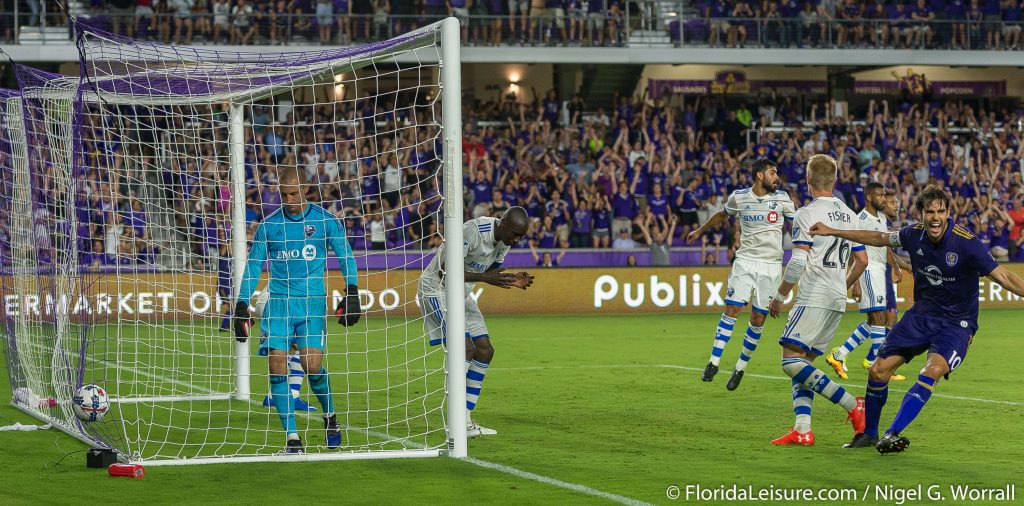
[(897, 377), (734, 380), (709, 373), (892, 443), (475, 430), (293, 447), (856, 417), (867, 364), (795, 438), (862, 440), (333, 432), (837, 364), (301, 405)]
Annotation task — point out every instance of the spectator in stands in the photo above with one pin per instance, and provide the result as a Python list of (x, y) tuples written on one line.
[(923, 33), (716, 14), (242, 27)]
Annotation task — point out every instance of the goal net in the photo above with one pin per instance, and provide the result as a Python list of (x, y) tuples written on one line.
[(163, 162)]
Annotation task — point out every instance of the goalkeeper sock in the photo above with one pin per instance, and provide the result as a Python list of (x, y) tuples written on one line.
[(320, 384), (913, 401), (750, 340), (295, 374), (877, 338), (875, 397), (813, 378), (802, 399), (474, 382), (283, 402), (722, 335), (858, 336)]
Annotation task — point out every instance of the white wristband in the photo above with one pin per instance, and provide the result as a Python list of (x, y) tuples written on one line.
[(779, 297)]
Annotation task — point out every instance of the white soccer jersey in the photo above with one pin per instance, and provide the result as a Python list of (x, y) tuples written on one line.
[(877, 255), (480, 249), (823, 283), (761, 222)]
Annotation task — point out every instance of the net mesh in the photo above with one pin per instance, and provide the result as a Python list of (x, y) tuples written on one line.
[(137, 153)]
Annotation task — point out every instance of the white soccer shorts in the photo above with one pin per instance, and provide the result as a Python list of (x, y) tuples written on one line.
[(753, 282), (434, 312), (872, 291), (811, 328)]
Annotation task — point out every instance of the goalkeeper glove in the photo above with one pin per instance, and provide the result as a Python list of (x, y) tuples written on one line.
[(242, 321), (348, 310)]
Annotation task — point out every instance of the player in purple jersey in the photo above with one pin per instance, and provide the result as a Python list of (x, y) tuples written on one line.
[(947, 262)]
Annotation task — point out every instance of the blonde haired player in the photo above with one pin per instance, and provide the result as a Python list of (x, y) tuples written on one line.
[(820, 267), (761, 211)]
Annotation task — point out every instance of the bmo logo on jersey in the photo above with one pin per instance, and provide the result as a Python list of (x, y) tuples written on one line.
[(308, 252)]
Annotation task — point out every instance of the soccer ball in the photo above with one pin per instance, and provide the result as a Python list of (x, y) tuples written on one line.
[(90, 403)]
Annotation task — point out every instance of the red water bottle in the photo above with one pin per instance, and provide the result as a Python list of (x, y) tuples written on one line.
[(127, 470)]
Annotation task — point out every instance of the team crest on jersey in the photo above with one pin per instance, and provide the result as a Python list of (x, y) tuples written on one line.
[(879, 299), (730, 291), (951, 259), (309, 230), (773, 205)]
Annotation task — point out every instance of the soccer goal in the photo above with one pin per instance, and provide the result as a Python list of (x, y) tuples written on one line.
[(154, 167)]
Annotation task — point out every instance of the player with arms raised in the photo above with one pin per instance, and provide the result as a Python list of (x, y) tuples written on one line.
[(820, 302), (486, 241), (872, 291), (947, 261), (295, 238), (755, 274)]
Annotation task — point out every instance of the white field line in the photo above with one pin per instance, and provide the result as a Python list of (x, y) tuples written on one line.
[(749, 375), (519, 473)]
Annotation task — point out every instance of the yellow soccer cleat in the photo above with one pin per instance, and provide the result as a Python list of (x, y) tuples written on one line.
[(837, 364), (867, 363), (897, 377)]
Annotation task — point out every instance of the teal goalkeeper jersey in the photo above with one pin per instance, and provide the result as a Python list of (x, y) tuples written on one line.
[(297, 249)]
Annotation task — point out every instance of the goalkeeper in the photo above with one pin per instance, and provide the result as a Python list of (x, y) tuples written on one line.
[(295, 238)]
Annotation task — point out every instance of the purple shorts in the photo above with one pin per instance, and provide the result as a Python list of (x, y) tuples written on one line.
[(914, 335)]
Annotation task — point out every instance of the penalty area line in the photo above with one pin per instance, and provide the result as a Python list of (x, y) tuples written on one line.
[(575, 487)]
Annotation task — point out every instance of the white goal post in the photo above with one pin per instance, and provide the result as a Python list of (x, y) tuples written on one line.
[(159, 161)]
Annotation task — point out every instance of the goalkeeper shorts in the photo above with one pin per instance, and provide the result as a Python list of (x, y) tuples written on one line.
[(294, 320), (435, 311)]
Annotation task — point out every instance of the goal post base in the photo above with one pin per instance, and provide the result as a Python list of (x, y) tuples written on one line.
[(306, 457)]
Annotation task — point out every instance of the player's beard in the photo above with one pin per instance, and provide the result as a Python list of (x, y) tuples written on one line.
[(774, 187)]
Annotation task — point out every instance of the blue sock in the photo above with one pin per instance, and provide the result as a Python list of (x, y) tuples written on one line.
[(320, 384), (283, 402), (814, 379), (875, 397), (802, 399), (474, 382), (913, 401), (722, 335), (878, 334), (858, 336), (295, 374), (750, 340)]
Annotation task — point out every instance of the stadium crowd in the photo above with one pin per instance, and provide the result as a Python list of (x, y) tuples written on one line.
[(947, 24), (638, 174)]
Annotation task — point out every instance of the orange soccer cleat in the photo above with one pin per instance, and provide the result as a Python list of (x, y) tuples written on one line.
[(795, 438), (856, 417)]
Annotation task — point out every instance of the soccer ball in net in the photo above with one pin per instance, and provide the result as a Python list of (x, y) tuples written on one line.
[(90, 403)]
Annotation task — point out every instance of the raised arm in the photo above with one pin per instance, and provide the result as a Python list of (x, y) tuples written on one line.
[(1007, 280), (712, 222), (865, 237)]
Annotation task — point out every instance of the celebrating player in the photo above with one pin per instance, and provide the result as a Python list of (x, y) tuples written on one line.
[(872, 291), (486, 241), (758, 266), (820, 302), (296, 238), (947, 262)]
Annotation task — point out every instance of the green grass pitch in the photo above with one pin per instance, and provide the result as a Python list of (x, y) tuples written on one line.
[(594, 410)]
